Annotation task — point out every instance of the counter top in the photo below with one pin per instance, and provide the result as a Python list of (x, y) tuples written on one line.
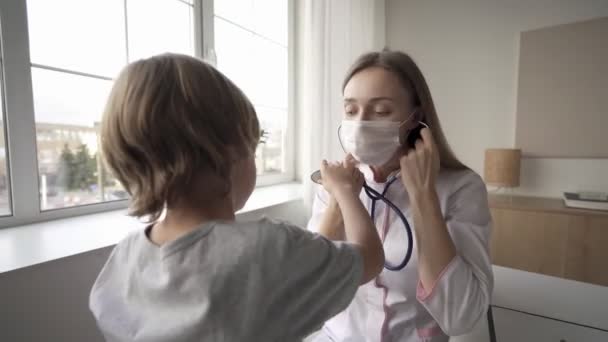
[(526, 203)]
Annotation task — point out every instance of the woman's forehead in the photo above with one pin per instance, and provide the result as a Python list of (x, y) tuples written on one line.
[(374, 83)]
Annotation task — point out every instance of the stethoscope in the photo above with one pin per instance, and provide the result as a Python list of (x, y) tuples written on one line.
[(375, 196)]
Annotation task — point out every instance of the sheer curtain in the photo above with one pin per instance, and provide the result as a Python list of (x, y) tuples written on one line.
[(331, 34)]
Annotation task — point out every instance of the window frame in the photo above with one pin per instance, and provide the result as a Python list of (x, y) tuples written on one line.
[(19, 118)]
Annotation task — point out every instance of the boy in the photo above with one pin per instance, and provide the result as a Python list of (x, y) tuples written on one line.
[(181, 138)]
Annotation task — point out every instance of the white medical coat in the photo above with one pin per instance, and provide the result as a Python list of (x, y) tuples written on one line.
[(395, 306)]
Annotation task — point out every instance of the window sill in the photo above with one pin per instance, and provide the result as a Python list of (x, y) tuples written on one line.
[(33, 244)]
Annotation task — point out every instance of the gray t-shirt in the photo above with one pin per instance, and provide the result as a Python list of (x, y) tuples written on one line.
[(231, 281)]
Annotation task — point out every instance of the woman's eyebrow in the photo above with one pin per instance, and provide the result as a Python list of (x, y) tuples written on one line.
[(373, 99), (381, 98)]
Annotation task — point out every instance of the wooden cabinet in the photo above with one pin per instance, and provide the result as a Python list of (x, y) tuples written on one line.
[(541, 235)]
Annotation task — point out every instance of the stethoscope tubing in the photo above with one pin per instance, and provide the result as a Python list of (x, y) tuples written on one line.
[(375, 196)]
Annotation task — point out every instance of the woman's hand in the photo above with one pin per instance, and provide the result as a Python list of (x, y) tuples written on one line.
[(419, 170), (420, 166)]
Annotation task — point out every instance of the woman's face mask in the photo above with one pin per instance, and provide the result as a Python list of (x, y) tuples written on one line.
[(371, 142)]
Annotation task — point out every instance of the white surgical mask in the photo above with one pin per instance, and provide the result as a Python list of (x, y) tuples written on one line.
[(370, 142)]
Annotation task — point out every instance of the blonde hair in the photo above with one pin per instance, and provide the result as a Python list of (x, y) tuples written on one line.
[(169, 118), (410, 76)]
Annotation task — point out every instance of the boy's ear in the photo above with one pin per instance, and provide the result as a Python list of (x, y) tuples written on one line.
[(227, 186)]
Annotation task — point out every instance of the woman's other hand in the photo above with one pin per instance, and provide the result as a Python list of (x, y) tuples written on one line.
[(420, 165)]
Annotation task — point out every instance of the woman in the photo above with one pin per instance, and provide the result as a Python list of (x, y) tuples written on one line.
[(446, 286)]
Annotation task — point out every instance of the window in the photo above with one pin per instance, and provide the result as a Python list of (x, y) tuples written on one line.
[(72, 72), (58, 60), (252, 48), (5, 205)]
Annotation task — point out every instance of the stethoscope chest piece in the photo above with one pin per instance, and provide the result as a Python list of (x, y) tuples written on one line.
[(315, 177)]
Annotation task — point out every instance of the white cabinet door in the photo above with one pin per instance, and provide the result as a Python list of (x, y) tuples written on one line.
[(516, 326)]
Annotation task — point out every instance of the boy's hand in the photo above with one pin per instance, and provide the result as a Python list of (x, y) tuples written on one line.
[(340, 177)]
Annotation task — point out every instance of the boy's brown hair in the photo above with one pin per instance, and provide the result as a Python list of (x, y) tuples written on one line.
[(169, 118)]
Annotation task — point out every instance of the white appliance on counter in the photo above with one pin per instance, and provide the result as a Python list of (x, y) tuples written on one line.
[(586, 200)]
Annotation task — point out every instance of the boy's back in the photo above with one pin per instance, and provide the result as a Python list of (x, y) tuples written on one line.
[(230, 281)]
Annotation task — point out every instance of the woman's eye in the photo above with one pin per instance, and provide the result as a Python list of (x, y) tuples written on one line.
[(382, 112), (350, 111)]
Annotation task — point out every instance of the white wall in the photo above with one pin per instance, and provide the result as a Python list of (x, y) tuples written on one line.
[(468, 51), (49, 302)]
